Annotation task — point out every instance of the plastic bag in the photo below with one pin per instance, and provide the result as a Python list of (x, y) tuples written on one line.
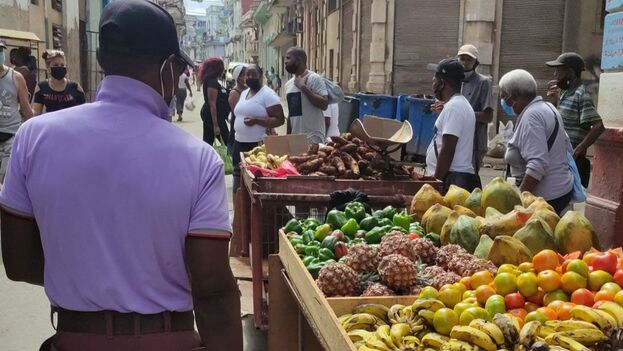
[(336, 94), (189, 104), (579, 194), (221, 149), (286, 169)]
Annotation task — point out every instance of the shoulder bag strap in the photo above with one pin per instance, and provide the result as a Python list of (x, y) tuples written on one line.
[(552, 137)]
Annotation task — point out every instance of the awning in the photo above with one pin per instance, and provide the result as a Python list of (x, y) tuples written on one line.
[(18, 34), (283, 39)]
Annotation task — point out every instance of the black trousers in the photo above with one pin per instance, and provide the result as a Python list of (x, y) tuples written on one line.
[(584, 168), (208, 130), (239, 147), (561, 203), (466, 181)]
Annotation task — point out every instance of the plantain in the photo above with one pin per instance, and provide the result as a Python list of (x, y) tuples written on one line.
[(377, 310), (473, 336), (489, 328)]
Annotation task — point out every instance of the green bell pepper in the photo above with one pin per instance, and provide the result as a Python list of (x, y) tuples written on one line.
[(308, 236), (402, 219), (325, 254), (309, 260), (434, 238), (293, 225), (300, 248), (336, 219), (385, 221), (355, 210), (314, 243), (388, 212), (312, 250), (415, 227), (322, 232), (375, 235), (329, 242), (350, 228), (399, 229), (311, 224), (296, 241), (315, 268), (356, 241), (368, 223)]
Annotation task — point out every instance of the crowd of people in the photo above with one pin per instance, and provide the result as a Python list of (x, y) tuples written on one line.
[(130, 212)]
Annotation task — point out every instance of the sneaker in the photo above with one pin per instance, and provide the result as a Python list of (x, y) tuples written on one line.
[(179, 119)]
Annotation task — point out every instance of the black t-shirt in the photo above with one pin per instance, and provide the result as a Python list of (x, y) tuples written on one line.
[(57, 100), (222, 99)]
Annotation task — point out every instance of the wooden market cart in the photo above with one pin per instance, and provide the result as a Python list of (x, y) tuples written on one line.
[(265, 204)]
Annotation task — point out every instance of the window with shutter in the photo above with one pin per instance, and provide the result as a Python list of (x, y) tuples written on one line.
[(57, 5)]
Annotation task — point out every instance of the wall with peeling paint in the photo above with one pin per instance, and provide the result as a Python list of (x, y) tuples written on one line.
[(14, 14)]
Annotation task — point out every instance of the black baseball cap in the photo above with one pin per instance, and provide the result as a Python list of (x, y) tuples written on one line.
[(568, 59), (142, 27), (450, 69)]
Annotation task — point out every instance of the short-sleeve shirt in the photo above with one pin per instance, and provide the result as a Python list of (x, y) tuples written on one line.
[(306, 118), (578, 113), (115, 190), (477, 90), (457, 118), (54, 100), (254, 106)]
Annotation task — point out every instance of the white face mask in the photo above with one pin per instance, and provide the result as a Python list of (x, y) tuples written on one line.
[(162, 80)]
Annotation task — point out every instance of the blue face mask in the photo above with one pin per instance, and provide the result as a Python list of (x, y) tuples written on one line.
[(508, 109), (2, 57)]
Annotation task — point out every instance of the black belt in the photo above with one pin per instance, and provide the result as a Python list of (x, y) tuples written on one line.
[(117, 323)]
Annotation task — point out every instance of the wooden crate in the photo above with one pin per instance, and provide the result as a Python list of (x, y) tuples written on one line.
[(320, 312)]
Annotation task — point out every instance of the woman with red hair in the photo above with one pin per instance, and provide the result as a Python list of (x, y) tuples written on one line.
[(216, 107)]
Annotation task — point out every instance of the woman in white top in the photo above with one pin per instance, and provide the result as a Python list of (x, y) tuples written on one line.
[(258, 110), (180, 94)]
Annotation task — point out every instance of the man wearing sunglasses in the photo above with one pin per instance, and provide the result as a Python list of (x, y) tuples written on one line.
[(128, 210)]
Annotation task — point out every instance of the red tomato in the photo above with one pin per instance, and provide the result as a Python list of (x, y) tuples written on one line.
[(606, 261), (514, 300), (618, 277), (537, 298), (413, 236), (583, 297)]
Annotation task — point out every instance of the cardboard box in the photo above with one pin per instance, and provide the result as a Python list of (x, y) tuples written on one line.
[(383, 133), (292, 144)]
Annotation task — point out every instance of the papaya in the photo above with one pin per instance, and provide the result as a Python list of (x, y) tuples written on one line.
[(527, 198), (491, 213), (550, 217), (536, 235), (455, 196), (474, 202), (575, 233), (464, 211), (466, 233), (426, 197), (508, 224), (500, 195), (539, 203), (484, 247), (434, 218), (506, 249), (444, 236)]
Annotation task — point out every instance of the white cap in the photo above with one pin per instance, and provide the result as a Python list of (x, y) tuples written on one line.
[(236, 73), (469, 50)]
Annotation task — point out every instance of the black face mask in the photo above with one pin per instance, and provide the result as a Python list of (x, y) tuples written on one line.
[(438, 88), (58, 72), (292, 68), (253, 84), (563, 84)]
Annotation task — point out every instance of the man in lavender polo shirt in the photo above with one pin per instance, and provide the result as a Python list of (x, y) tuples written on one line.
[(129, 211)]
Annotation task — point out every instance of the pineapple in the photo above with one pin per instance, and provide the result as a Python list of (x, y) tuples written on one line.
[(425, 250), (363, 258), (396, 242), (397, 272), (445, 278), (445, 254), (337, 279), (477, 265), (377, 289), (364, 280), (459, 262)]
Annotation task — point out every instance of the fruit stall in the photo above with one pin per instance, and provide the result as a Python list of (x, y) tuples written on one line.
[(494, 269)]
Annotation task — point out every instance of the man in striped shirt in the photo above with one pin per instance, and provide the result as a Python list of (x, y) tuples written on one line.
[(582, 122)]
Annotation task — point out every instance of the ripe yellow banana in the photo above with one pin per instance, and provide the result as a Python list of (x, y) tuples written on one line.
[(344, 318), (528, 333), (358, 335), (410, 343), (611, 320), (590, 315), (376, 343), (544, 331), (474, 336), (383, 334), (566, 342), (377, 310), (427, 304), (398, 332), (459, 345), (434, 340), (587, 337), (361, 321), (489, 328), (508, 327), (427, 315), (614, 310), (570, 324)]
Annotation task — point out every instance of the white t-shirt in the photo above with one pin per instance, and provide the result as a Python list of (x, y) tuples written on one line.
[(333, 112), (181, 84), (253, 107), (457, 118)]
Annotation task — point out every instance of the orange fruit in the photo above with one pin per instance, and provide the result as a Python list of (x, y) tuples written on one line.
[(555, 305), (450, 296), (467, 282), (597, 279), (556, 295), (444, 320), (481, 278), (505, 283), (529, 306), (589, 257), (583, 297), (605, 295), (483, 293), (618, 298), (526, 267), (468, 294), (495, 304), (612, 286), (461, 287), (545, 260), (527, 284), (572, 281), (564, 312), (548, 312), (519, 313), (548, 280), (579, 267), (536, 316), (508, 268)]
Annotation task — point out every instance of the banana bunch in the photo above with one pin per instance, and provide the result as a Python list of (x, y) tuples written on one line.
[(385, 338), (361, 321), (407, 315), (260, 158)]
